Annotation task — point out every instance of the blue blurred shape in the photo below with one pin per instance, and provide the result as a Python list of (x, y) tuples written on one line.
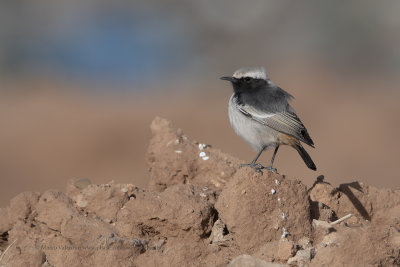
[(118, 45)]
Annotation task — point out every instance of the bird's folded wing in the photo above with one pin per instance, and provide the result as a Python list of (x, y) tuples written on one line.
[(283, 122)]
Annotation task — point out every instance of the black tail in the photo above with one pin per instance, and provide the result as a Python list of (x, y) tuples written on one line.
[(304, 155)]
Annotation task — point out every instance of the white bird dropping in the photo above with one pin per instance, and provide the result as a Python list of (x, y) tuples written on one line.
[(284, 233)]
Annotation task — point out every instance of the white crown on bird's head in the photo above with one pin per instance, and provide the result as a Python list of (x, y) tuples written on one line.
[(252, 72)]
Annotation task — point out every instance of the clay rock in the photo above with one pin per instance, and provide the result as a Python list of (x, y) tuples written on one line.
[(176, 252), (23, 249), (20, 208), (303, 257), (375, 244), (174, 159), (53, 208), (277, 251), (103, 200), (329, 239), (56, 233), (250, 261), (321, 224), (218, 233), (57, 211), (178, 211), (263, 208), (320, 211), (355, 198)]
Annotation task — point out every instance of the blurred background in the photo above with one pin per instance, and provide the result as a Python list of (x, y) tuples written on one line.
[(80, 82)]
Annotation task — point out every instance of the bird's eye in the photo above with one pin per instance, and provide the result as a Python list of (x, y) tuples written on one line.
[(247, 79)]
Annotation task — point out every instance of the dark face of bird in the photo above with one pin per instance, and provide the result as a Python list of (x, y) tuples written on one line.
[(248, 80)]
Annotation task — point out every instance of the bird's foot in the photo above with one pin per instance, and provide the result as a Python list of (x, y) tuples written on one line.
[(271, 169), (257, 167)]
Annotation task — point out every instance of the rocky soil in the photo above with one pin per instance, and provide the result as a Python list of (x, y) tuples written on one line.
[(201, 210)]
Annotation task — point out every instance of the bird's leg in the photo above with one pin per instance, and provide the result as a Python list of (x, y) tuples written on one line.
[(257, 167), (272, 161)]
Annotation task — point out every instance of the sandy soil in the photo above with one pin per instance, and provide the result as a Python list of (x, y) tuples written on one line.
[(201, 210)]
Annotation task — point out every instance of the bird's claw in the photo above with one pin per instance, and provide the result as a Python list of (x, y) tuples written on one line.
[(271, 169), (257, 167)]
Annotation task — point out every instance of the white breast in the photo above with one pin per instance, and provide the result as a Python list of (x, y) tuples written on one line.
[(254, 133)]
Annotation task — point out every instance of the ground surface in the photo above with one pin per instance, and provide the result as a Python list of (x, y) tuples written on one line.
[(201, 210)]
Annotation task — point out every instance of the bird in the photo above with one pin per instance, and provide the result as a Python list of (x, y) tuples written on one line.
[(260, 113)]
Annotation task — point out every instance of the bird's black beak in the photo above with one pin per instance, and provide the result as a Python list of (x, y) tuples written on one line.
[(228, 78)]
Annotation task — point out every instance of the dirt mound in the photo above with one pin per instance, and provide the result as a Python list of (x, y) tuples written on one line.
[(201, 210), (264, 208), (174, 159)]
